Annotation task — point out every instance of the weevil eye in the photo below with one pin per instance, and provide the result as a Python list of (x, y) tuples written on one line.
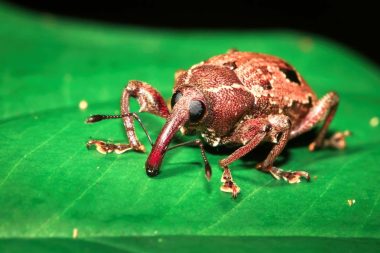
[(176, 96), (197, 110)]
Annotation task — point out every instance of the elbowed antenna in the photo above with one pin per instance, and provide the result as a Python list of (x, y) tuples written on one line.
[(99, 117)]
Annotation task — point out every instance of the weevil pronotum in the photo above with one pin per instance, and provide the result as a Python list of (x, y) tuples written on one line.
[(237, 98)]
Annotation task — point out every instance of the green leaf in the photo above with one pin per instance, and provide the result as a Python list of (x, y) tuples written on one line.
[(50, 185)]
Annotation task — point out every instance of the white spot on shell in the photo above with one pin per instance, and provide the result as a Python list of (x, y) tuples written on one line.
[(189, 74), (272, 102), (215, 142), (222, 87)]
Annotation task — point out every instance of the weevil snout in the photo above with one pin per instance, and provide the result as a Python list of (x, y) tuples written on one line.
[(152, 171), (187, 107)]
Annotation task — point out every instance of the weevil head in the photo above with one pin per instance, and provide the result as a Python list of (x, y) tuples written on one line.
[(188, 110), (225, 96), (206, 97)]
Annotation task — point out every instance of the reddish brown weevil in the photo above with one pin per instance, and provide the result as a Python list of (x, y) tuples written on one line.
[(237, 98)]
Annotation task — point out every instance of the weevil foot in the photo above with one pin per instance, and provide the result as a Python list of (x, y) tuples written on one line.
[(230, 187), (228, 184), (337, 141), (106, 148), (292, 177)]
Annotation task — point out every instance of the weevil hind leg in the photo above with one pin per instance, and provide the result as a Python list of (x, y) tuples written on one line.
[(324, 109), (150, 101)]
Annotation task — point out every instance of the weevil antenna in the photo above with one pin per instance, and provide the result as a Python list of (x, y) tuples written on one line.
[(99, 117)]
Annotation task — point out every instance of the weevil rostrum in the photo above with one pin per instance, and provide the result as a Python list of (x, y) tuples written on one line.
[(237, 99)]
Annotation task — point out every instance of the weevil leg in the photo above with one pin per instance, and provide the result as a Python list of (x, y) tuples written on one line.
[(150, 101), (118, 148), (291, 177), (325, 110), (198, 143), (250, 133), (228, 183), (279, 134), (106, 147)]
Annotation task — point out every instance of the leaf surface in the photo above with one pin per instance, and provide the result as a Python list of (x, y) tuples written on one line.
[(50, 185)]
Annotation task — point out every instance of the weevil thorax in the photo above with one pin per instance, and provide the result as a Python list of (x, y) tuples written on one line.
[(224, 101)]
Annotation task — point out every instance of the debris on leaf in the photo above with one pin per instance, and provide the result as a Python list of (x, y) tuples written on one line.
[(374, 121), (351, 202), (83, 105), (75, 233)]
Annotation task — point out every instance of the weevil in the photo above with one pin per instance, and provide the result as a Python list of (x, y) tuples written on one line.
[(238, 99)]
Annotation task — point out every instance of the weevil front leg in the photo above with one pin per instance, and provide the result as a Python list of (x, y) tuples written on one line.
[(228, 183), (106, 147), (324, 109), (150, 101)]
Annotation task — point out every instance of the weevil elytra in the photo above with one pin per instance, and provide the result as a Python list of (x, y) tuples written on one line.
[(237, 98)]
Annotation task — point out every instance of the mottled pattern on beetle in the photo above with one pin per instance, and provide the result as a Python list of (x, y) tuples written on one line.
[(210, 137), (222, 108), (245, 85), (258, 70)]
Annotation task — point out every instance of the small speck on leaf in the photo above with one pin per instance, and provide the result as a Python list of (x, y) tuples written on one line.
[(351, 202), (83, 105), (374, 121), (75, 233)]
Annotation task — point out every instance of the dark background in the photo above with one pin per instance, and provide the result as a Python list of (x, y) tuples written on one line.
[(356, 24)]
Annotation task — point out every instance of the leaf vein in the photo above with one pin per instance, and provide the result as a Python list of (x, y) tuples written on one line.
[(31, 152), (58, 216), (222, 218)]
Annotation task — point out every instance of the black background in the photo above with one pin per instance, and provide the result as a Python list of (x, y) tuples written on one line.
[(355, 24)]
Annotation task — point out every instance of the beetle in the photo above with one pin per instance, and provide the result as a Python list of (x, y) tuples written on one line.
[(237, 99)]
